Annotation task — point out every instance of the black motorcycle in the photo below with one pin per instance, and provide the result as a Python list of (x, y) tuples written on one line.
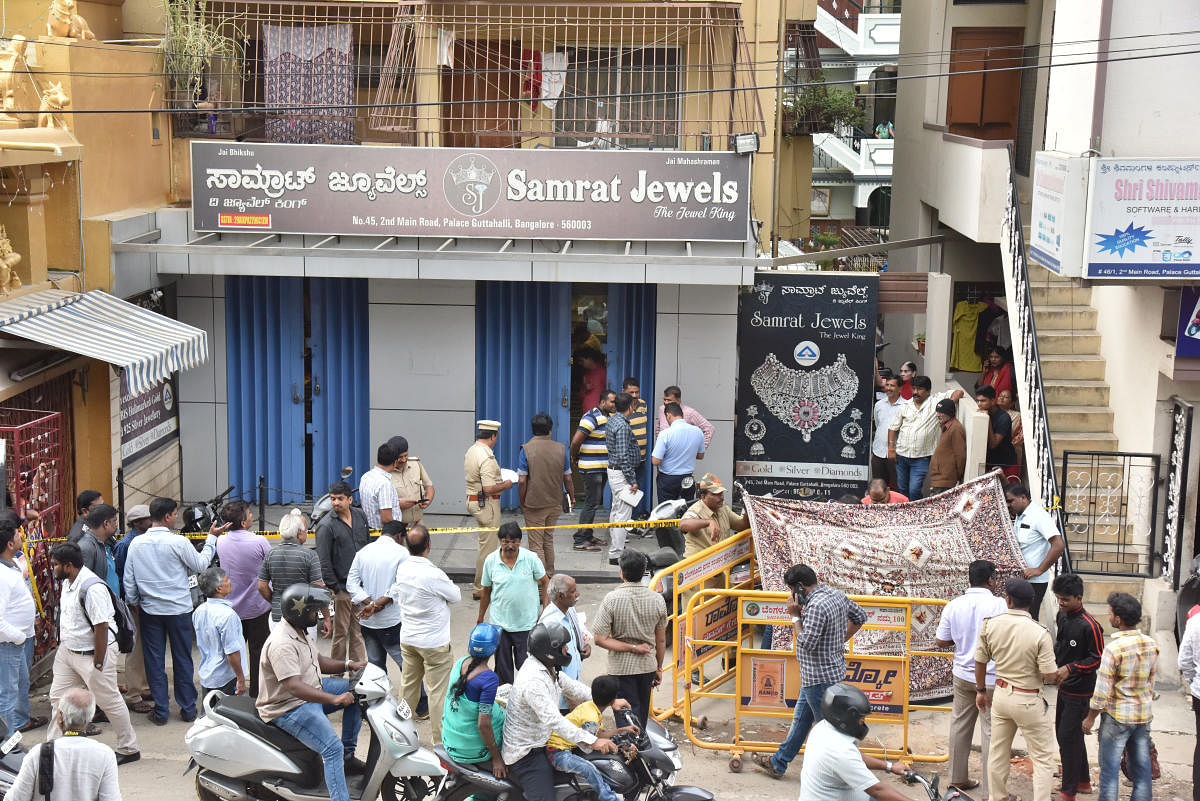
[(12, 754), (643, 768)]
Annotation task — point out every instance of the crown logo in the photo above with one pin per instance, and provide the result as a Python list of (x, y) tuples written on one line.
[(472, 174), (764, 291)]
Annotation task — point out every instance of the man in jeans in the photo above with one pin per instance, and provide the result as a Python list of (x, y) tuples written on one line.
[(342, 533), (589, 451), (16, 628), (913, 434), (623, 462), (1124, 692), (294, 697), (824, 620)]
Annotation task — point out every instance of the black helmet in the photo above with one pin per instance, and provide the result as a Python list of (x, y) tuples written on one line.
[(301, 603), (845, 706), (546, 644)]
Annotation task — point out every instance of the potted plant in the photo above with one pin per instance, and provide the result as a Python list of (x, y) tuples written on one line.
[(814, 107), (920, 342), (193, 42)]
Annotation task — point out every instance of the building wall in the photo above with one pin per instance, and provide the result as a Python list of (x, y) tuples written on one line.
[(203, 409)]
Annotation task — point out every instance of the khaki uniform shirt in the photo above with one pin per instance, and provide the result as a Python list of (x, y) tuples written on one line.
[(480, 469), (287, 653), (696, 541), (408, 482), (1020, 646)]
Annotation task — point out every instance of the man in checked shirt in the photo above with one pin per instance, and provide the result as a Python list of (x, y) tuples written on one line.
[(824, 620), (1124, 692)]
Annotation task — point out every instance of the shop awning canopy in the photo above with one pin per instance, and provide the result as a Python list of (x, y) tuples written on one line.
[(147, 346)]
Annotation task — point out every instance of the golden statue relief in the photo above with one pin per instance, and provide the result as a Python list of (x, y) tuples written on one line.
[(64, 21)]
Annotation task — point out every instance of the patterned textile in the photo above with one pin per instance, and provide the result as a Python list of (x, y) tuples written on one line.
[(309, 65), (918, 550)]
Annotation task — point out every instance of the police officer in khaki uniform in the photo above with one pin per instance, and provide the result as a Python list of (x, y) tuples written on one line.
[(413, 485), (484, 485), (1024, 655), (709, 520)]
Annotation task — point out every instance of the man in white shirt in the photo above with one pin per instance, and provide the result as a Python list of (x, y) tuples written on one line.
[(834, 769), (376, 493), (87, 653), (84, 770), (959, 627), (1038, 536), (425, 594), (369, 583), (16, 628), (885, 409)]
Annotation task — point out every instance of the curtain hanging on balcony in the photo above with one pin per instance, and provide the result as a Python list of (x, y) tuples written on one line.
[(309, 65)]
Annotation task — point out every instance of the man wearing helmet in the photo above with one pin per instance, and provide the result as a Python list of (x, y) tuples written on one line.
[(293, 696), (532, 714), (834, 769)]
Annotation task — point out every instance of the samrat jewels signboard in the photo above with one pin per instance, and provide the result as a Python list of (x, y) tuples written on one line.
[(806, 344), (496, 193)]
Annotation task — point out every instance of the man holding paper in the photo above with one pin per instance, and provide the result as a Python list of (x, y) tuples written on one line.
[(624, 457)]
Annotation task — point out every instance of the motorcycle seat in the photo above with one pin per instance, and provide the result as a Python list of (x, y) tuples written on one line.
[(241, 710)]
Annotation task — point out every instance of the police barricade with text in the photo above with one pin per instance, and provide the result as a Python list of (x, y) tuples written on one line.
[(766, 683), (727, 564)]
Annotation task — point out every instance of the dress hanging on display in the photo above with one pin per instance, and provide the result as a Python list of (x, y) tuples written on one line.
[(966, 324)]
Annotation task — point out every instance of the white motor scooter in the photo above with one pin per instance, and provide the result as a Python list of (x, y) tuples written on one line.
[(242, 758)]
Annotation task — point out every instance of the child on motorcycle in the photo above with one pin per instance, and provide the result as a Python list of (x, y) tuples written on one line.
[(587, 717)]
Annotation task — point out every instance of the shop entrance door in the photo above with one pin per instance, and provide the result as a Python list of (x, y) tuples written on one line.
[(296, 356)]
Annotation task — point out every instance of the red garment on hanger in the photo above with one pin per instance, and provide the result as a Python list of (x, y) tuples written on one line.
[(531, 85)]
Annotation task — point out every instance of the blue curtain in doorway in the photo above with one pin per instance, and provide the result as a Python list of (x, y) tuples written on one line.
[(264, 354), (522, 355), (632, 322), (341, 379)]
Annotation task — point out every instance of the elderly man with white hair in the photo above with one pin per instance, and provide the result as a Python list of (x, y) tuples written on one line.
[(563, 595), (290, 563), (84, 770)]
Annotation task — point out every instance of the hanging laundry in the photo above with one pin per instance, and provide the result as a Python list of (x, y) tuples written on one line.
[(554, 77), (998, 332), (966, 323), (445, 48), (531, 68)]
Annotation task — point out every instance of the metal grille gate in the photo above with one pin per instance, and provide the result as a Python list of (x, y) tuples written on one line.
[(1110, 512)]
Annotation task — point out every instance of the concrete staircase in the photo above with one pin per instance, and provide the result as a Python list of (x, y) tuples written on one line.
[(1072, 367)]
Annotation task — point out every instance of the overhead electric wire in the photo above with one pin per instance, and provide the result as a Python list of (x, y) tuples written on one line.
[(278, 108)]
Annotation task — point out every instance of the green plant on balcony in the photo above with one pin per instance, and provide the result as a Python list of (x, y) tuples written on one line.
[(817, 108), (193, 44)]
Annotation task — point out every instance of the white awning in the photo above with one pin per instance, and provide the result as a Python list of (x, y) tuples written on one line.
[(147, 346)]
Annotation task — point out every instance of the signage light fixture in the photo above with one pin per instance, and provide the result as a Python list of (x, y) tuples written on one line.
[(743, 144)]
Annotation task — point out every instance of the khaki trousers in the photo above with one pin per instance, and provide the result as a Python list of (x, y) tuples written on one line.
[(431, 665), (487, 517), (135, 666), (346, 634), (541, 540), (962, 732), (77, 671), (1012, 710)]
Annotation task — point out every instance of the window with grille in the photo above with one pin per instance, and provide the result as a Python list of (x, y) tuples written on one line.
[(619, 98)]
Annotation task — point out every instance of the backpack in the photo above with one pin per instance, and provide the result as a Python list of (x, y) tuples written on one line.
[(125, 632)]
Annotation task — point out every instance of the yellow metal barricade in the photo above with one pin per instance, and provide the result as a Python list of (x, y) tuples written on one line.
[(767, 682), (729, 564)]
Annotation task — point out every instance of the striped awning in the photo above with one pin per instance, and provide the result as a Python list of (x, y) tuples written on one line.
[(146, 346)]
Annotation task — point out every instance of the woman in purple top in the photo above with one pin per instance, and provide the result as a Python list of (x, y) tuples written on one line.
[(241, 553)]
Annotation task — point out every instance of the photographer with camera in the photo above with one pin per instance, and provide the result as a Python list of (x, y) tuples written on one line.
[(824, 619)]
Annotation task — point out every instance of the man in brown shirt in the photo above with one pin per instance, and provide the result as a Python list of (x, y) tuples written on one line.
[(545, 474), (293, 696), (1024, 655), (950, 456)]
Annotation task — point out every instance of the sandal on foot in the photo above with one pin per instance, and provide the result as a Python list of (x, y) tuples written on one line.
[(763, 761)]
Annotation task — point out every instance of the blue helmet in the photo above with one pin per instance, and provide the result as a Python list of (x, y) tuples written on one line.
[(485, 639)]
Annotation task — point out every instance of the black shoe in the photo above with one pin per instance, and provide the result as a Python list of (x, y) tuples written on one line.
[(156, 720), (355, 765), (612, 561), (187, 717), (100, 717), (125, 759), (423, 709)]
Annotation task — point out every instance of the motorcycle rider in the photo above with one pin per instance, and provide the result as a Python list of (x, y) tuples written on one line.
[(834, 769), (532, 714), (294, 697)]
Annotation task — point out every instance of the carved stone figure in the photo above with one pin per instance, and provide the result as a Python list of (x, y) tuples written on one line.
[(13, 66), (64, 21), (53, 99), (9, 259)]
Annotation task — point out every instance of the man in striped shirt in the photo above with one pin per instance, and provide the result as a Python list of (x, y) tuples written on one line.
[(1124, 692), (913, 434), (589, 451)]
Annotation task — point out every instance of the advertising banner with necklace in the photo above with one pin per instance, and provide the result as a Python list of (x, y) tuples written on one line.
[(806, 364)]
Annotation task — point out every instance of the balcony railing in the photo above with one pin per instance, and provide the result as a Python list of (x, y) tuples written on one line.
[(587, 74)]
